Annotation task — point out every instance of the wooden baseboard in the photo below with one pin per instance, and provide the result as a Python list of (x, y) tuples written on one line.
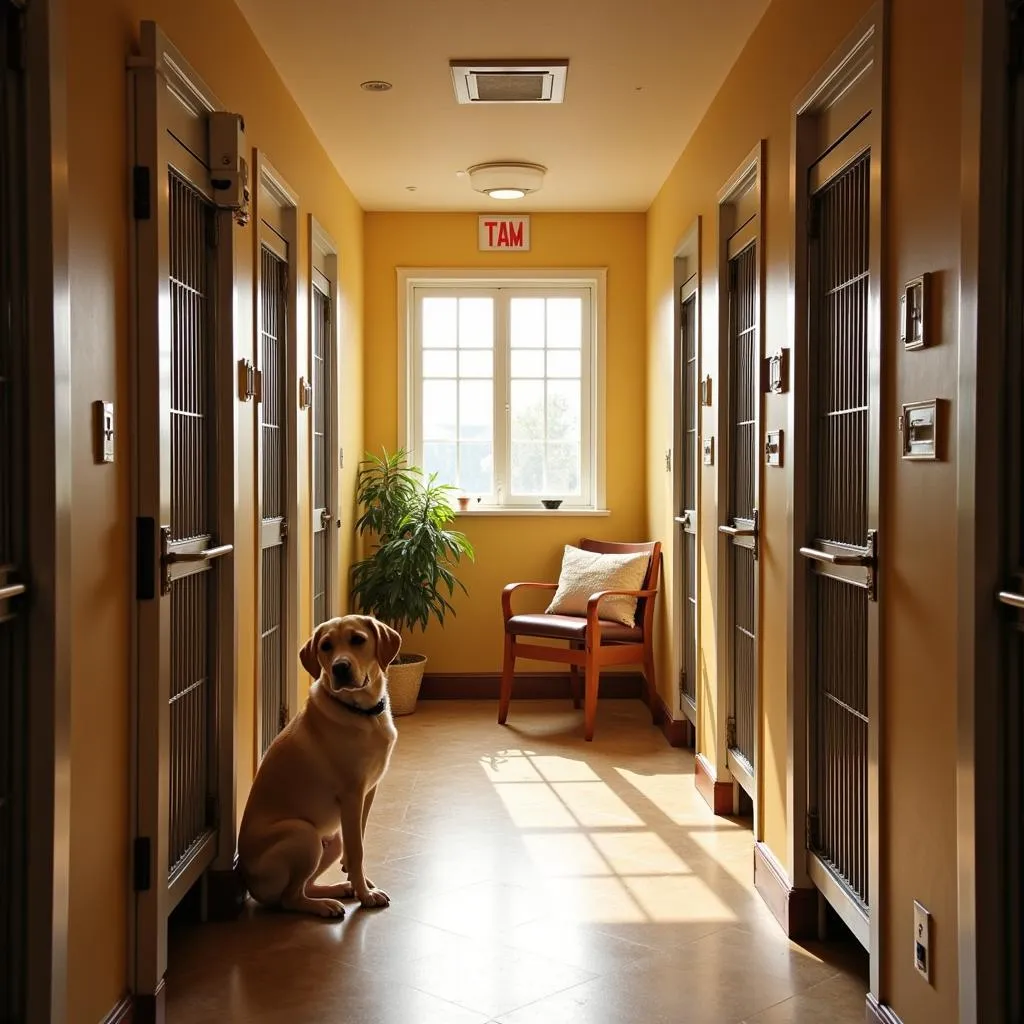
[(225, 893), (123, 1013), (796, 910), (528, 686), (877, 1013), (151, 1009), (718, 795), (678, 732)]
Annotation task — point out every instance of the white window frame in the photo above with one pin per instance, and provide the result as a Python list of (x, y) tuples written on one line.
[(589, 281)]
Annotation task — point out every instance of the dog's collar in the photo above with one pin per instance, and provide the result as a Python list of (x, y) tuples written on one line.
[(377, 709)]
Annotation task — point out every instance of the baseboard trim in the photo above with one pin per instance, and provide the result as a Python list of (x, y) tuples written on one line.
[(717, 795), (123, 1013), (878, 1013), (527, 686), (151, 1009), (678, 732), (225, 893), (796, 910)]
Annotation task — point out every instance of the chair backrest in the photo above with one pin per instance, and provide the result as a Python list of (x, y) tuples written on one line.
[(644, 606)]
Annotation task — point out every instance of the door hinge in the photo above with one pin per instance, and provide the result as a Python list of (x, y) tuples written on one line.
[(257, 385), (811, 830), (282, 718), (730, 733), (246, 380), (141, 203), (341, 458), (284, 528), (142, 852), (145, 558)]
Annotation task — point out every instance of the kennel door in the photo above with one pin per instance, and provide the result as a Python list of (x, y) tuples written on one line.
[(324, 448)]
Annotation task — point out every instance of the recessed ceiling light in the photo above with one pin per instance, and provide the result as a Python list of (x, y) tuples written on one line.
[(506, 193), (410, 188), (506, 180), (375, 85)]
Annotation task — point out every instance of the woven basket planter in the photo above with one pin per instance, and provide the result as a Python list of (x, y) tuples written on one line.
[(404, 679)]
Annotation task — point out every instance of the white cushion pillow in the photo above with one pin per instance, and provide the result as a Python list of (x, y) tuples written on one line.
[(587, 572)]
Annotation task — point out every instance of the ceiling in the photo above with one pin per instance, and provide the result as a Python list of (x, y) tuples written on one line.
[(641, 75)]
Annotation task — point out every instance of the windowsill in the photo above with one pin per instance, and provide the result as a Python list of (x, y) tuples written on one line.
[(510, 512)]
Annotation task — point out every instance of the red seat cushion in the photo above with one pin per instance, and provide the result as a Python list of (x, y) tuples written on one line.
[(571, 627)]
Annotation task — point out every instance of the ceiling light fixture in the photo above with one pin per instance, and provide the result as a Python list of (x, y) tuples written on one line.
[(374, 85), (506, 180)]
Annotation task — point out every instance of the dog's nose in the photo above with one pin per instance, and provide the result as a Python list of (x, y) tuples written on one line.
[(342, 670)]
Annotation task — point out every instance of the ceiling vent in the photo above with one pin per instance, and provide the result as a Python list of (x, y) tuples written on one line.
[(509, 81)]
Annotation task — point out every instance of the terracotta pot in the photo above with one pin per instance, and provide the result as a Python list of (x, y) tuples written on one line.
[(463, 503)]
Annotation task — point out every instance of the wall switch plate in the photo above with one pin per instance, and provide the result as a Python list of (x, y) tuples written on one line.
[(914, 326), (709, 451), (103, 430), (773, 448), (922, 942)]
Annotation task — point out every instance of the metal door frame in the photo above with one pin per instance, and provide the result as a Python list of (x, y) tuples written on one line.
[(277, 207), (686, 285), (323, 261), (985, 833), (47, 511), (166, 95), (833, 102), (740, 224)]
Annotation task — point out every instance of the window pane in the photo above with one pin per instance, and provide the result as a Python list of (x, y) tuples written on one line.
[(476, 410), (564, 363), (440, 363), (565, 323), (476, 467), (563, 411), (441, 459), (439, 410), (527, 363), (439, 330), (527, 317), (527, 411), (562, 466), (476, 323), (528, 467), (476, 363)]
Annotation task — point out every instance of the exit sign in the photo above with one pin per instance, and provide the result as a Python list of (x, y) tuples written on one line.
[(504, 233)]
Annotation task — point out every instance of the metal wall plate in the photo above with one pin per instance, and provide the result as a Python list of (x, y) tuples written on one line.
[(103, 430), (919, 429), (709, 451), (773, 441), (777, 372), (914, 323), (705, 391)]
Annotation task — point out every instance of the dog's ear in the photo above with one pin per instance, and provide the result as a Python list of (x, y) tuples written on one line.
[(310, 662), (389, 641)]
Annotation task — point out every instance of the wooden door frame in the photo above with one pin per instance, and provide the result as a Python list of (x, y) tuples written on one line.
[(820, 107), (157, 72), (746, 179), (49, 615), (980, 783), (323, 257), (686, 264), (272, 193)]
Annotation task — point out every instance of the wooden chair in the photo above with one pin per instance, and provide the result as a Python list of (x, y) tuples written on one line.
[(594, 643)]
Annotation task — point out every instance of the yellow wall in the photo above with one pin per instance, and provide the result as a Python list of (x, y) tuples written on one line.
[(793, 40), (510, 549), (217, 41)]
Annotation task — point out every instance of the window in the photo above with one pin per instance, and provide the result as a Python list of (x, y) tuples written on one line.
[(502, 382)]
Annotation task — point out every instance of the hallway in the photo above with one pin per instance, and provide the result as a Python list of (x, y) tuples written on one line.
[(534, 879)]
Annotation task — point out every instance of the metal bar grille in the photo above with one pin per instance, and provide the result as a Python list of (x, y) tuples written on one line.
[(271, 641), (273, 365), (688, 342), (840, 480), (743, 366), (321, 450), (14, 675), (192, 459)]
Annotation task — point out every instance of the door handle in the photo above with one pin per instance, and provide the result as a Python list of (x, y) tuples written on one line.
[(12, 590), (738, 531), (207, 555), (325, 518), (683, 520), (1007, 597), (828, 558), (866, 559)]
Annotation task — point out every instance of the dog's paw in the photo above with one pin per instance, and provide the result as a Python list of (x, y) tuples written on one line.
[(327, 908), (375, 898)]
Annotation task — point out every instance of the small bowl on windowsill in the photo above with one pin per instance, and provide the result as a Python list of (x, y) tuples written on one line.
[(551, 503)]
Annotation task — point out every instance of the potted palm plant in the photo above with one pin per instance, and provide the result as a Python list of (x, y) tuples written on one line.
[(409, 574)]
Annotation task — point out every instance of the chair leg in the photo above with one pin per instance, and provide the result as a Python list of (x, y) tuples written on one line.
[(574, 686), (652, 684), (591, 682), (508, 669)]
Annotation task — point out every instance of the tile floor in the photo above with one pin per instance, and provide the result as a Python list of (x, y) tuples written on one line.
[(535, 879)]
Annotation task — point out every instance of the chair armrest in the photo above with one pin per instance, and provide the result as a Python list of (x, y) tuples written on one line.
[(595, 600), (509, 590)]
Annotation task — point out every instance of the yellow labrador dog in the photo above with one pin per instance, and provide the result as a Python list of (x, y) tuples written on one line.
[(321, 772)]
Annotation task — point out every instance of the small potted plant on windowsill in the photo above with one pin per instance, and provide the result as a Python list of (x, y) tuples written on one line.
[(408, 576)]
